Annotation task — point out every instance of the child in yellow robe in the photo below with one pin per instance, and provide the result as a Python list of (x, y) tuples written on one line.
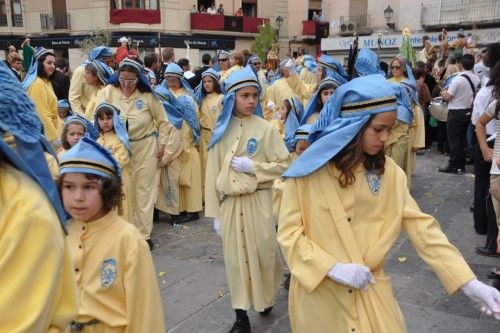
[(344, 205), (113, 266), (245, 156)]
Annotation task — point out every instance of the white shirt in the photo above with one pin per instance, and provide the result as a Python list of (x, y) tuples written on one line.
[(483, 98), (212, 10), (490, 110), (461, 91)]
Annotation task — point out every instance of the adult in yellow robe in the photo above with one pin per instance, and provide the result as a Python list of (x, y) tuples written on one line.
[(147, 126), (277, 92), (338, 224), (97, 75)]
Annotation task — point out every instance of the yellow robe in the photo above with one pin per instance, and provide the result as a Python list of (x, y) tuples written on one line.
[(190, 195), (168, 194), (277, 92), (111, 141), (39, 291), (308, 77), (322, 224), (53, 165), (80, 93), (116, 277), (416, 140), (301, 89), (250, 249), (210, 108), (45, 100), (91, 105), (147, 128)]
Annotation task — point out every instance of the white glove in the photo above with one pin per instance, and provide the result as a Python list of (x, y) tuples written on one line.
[(486, 297), (271, 106), (354, 275), (242, 164), (290, 67), (217, 225)]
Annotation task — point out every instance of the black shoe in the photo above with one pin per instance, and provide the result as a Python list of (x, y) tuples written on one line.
[(448, 169), (420, 152), (150, 243), (175, 219), (286, 283), (485, 252), (189, 217), (242, 323), (266, 312), (493, 276)]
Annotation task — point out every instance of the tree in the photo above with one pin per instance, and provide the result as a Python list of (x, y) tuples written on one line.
[(95, 39), (264, 41)]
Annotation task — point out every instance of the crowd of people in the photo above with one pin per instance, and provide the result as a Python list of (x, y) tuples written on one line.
[(305, 159)]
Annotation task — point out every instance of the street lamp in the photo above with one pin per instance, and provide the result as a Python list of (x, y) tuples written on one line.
[(388, 14), (279, 23)]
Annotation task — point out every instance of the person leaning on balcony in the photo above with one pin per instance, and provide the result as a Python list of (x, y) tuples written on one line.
[(211, 10), (194, 9), (80, 93), (239, 12), (220, 11)]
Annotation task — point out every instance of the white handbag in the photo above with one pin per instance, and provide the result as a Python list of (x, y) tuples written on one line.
[(439, 109)]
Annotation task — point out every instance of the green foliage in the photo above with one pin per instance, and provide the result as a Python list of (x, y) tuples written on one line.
[(96, 38), (263, 42)]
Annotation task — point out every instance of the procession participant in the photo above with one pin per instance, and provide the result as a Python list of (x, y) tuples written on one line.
[(245, 155), (190, 195), (97, 74), (308, 73), (113, 136), (325, 89), (329, 66), (147, 127), (80, 92), (39, 88), (168, 192), (290, 115), (277, 92), (236, 61), (209, 97), (114, 270), (300, 88), (63, 109), (255, 63), (272, 67), (36, 264), (75, 127), (344, 205), (224, 65)]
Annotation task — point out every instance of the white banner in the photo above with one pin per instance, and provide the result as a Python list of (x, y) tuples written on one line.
[(482, 37)]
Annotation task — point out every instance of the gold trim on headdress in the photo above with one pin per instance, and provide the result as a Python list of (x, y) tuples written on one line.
[(86, 164), (368, 105)]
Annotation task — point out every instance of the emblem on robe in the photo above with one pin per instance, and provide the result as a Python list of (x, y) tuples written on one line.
[(139, 104), (214, 109), (108, 272), (251, 146), (374, 181)]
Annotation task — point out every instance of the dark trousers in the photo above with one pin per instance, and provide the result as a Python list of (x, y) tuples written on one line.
[(481, 189), (442, 140), (456, 129), (492, 228)]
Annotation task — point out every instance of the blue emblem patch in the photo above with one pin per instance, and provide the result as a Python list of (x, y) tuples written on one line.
[(108, 272), (374, 181), (139, 104), (251, 146), (214, 109)]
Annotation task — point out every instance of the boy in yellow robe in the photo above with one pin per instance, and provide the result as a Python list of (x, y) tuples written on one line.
[(39, 293), (344, 205), (245, 156), (114, 269)]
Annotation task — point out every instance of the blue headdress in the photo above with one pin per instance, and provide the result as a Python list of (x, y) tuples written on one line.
[(302, 133), (143, 78), (292, 122), (199, 91), (406, 94), (179, 109), (313, 101), (98, 53), (310, 63), (175, 70), (87, 156), (90, 130), (367, 63), (64, 104), (333, 68), (235, 81), (104, 72), (18, 117), (346, 112), (118, 126), (33, 70)]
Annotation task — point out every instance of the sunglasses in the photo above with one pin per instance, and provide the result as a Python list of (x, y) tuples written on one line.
[(255, 63), (130, 82), (222, 60), (395, 67)]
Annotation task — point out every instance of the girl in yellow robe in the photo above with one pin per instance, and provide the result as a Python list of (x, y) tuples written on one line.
[(97, 75), (113, 136), (210, 99), (245, 156), (325, 89), (190, 197), (114, 270), (344, 205)]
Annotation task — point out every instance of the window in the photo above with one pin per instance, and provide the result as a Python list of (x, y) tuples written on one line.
[(133, 4), (249, 8), (3, 14), (17, 14)]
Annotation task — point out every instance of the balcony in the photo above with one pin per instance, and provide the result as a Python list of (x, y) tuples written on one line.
[(145, 16), (315, 30), (359, 24), (17, 20), (56, 21), (227, 23), (461, 15), (3, 20)]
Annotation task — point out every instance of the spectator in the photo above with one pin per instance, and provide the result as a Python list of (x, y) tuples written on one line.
[(239, 12), (211, 10), (202, 9), (16, 65), (61, 80), (168, 57), (151, 64), (194, 9), (220, 11), (188, 74), (205, 60), (459, 96)]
